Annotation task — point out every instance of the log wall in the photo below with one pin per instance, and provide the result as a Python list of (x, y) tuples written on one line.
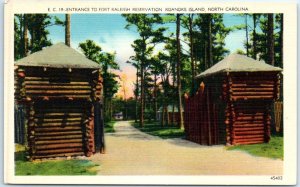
[(234, 108), (60, 110), (201, 118)]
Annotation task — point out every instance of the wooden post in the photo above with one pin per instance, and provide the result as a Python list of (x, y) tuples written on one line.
[(228, 113), (89, 134), (232, 124), (267, 123), (208, 115), (31, 131)]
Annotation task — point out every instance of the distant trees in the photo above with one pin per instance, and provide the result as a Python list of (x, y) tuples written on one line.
[(265, 38), (170, 50), (178, 65), (31, 33), (107, 61), (149, 36), (172, 68)]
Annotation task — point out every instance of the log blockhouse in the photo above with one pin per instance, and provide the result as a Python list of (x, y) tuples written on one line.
[(233, 103), (61, 91)]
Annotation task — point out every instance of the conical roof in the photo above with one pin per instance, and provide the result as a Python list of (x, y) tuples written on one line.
[(238, 63), (58, 56)]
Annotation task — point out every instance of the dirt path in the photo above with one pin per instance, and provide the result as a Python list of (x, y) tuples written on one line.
[(132, 152)]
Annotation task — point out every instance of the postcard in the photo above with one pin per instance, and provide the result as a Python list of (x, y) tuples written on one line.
[(150, 92)]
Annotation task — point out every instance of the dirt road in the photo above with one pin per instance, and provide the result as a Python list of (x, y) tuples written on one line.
[(132, 152)]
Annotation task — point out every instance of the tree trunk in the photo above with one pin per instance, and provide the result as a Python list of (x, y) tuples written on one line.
[(254, 37), (67, 30), (178, 71), (162, 123), (142, 104), (192, 53), (137, 94), (247, 37), (110, 109), (270, 40), (173, 116), (25, 35), (281, 41), (155, 97), (209, 47)]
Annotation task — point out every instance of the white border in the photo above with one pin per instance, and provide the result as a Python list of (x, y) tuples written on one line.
[(290, 97)]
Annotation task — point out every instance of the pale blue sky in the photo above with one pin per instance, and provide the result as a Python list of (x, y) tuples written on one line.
[(108, 31)]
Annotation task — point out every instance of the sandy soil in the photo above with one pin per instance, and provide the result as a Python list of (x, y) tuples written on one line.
[(132, 152)]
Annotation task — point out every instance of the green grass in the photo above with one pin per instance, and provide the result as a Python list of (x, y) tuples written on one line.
[(273, 149), (51, 167), (155, 129), (109, 126)]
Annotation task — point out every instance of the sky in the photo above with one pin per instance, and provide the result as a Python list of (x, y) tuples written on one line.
[(108, 31)]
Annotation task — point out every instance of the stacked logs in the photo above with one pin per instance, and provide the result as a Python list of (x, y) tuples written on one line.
[(60, 109), (40, 83), (234, 108), (249, 97)]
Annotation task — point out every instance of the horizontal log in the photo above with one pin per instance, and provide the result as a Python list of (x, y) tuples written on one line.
[(60, 125), (60, 129), (60, 119), (247, 93), (250, 132), (51, 112), (58, 146), (39, 156), (245, 129), (259, 89), (62, 114), (59, 137), (239, 125), (60, 151), (249, 143), (62, 76), (249, 108), (44, 134), (44, 92), (46, 142), (249, 114), (249, 136), (253, 97), (262, 139), (59, 96), (46, 83), (62, 105), (244, 85), (54, 87), (249, 118)]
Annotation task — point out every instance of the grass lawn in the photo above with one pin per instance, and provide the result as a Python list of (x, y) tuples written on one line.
[(273, 149), (155, 129), (51, 167), (109, 126)]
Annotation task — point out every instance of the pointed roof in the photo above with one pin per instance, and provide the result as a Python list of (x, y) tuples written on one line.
[(58, 56), (238, 63)]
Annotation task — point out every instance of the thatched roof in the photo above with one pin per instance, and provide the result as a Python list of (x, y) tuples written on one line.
[(239, 63), (58, 56)]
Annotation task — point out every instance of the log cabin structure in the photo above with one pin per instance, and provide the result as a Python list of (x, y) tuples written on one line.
[(61, 91), (233, 103), (170, 113)]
